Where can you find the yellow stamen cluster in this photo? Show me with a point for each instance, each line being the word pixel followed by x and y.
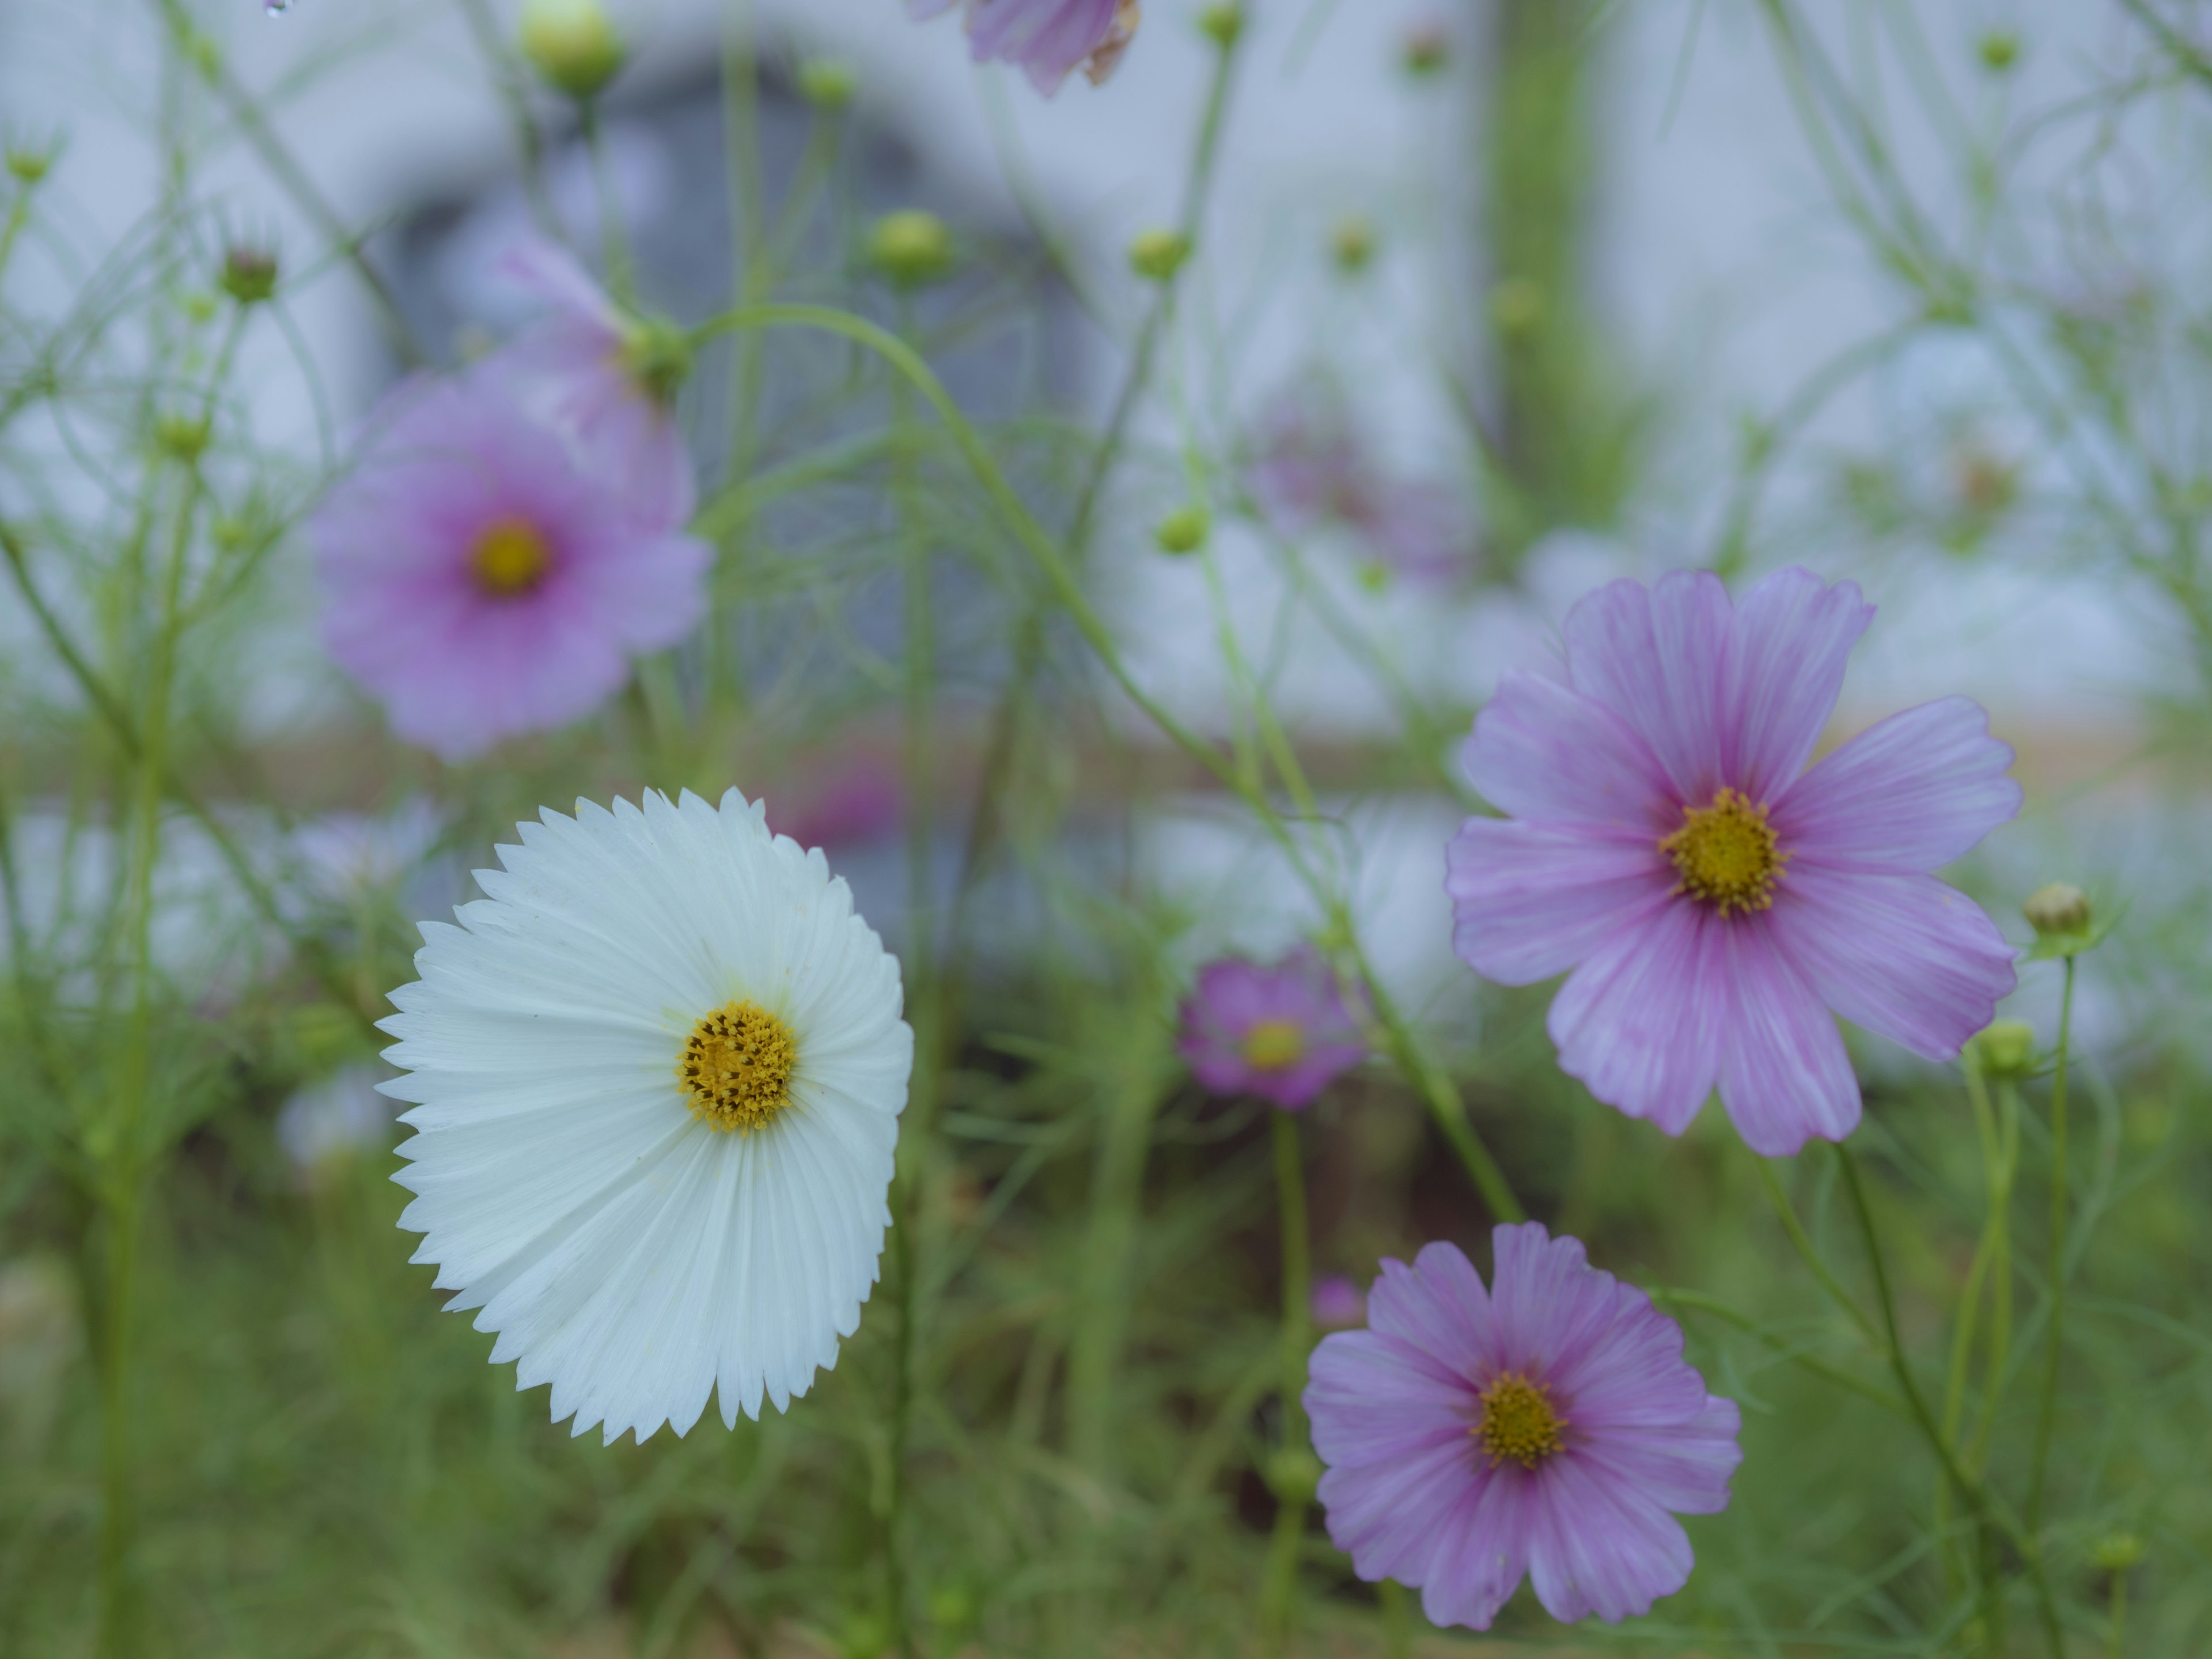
pixel 737 1067
pixel 1274 1045
pixel 510 558
pixel 1726 854
pixel 1518 1422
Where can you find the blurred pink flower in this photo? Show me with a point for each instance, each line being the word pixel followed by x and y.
pixel 1279 1032
pixel 479 582
pixel 862 799
pixel 1048 40
pixel 1714 899
pixel 588 372
pixel 1313 471
pixel 1338 1303
pixel 1546 1427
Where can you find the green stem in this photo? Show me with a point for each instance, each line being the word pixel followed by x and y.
pixel 2047 1411
pixel 1397 1619
pixel 1802 1240
pixel 1279 1588
pixel 1666 1296
pixel 1971 1491
pixel 614 239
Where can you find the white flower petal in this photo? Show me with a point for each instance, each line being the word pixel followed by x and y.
pixel 634 1257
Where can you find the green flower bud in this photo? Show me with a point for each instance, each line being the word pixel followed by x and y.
pixel 182 437
pixel 1517 306
pixel 911 247
pixel 249 274
pixel 865 1636
pixel 1999 50
pixel 573 44
pixel 1428 50
pixel 200 309
pixel 28 165
pixel 2057 907
pixel 658 355
pixel 1222 23
pixel 1374 576
pixel 953 1607
pixel 2006 1048
pixel 1352 245
pixel 1294 1475
pixel 828 84
pixel 1183 530
pixel 2116 1552
pixel 1156 255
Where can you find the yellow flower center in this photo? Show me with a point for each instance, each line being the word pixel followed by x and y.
pixel 1518 1422
pixel 1726 854
pixel 1274 1045
pixel 737 1067
pixel 510 558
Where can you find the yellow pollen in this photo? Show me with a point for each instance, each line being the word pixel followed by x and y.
pixel 737 1067
pixel 1518 1422
pixel 1273 1045
pixel 510 558
pixel 1726 854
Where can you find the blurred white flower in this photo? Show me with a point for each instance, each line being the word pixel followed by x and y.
pixel 659 1074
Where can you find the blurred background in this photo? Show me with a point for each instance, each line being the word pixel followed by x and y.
pixel 1493 301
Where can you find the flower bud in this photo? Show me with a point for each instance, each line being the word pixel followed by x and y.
pixel 2006 1048
pixel 182 437
pixel 1156 255
pixel 658 355
pixel 249 274
pixel 828 84
pixel 2116 1552
pixel 1999 50
pixel 911 247
pixel 573 44
pixel 1183 530
pixel 1294 1475
pixel 1428 50
pixel 2057 907
pixel 1517 306
pixel 1222 23
pixel 28 164
pixel 1352 245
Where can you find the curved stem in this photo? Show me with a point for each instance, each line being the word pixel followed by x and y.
pixel 1802 1243
pixel 2046 1410
pixel 1279 1588
pixel 1972 1492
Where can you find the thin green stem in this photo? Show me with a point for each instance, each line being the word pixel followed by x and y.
pixel 1397 1619
pixel 1278 1590
pixel 1666 1296
pixel 1971 1491
pixel 614 239
pixel 2046 1410
pixel 1786 1212
pixel 508 76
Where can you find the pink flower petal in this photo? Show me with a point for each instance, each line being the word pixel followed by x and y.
pixel 1438 1306
pixel 1600 1548
pixel 1541 750
pixel 1374 1399
pixel 1794 634
pixel 1389 1516
pixel 1785 1077
pixel 1480 1552
pixel 1532 900
pixel 1684 1466
pixel 1903 955
pixel 1640 1022
pixel 1914 793
pixel 1657 657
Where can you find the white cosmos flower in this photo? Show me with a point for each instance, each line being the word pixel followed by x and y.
pixel 634 1237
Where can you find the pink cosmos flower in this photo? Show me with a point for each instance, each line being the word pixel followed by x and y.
pixel 1546 1427
pixel 1047 39
pixel 1715 900
pixel 1279 1032
pixel 1336 1303
pixel 479 583
pixel 603 380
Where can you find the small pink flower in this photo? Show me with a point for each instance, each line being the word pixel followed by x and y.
pixel 1281 1032
pixel 479 582
pixel 586 371
pixel 1047 39
pixel 1546 1427
pixel 1715 900
pixel 1337 1303
pixel 1313 471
